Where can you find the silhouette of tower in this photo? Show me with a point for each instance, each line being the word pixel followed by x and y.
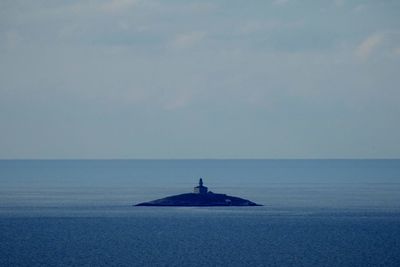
pixel 200 189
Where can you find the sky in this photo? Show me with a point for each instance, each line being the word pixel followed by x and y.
pixel 199 79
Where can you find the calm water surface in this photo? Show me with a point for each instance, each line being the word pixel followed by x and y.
pixel 316 213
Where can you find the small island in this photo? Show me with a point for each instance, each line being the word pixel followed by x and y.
pixel 200 197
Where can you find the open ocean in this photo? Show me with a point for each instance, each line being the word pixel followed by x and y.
pixel 315 213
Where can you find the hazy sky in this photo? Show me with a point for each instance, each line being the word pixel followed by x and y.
pixel 199 79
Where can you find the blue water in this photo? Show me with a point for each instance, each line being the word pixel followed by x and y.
pixel 315 213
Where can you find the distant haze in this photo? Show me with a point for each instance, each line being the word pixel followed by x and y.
pixel 200 79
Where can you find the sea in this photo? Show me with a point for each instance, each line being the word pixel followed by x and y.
pixel 314 213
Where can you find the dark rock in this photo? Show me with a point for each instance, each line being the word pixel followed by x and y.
pixel 201 197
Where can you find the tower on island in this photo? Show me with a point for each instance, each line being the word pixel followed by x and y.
pixel 200 189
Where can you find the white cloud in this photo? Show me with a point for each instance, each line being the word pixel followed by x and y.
pixel 339 3
pixel 256 26
pixel 12 39
pixel 366 48
pixel 396 51
pixel 179 101
pixel 361 8
pixel 280 2
pixel 203 7
pixel 118 5
pixel 188 39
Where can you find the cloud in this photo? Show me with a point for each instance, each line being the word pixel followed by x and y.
pixel 263 26
pixel 203 7
pixel 13 39
pixel 361 8
pixel 366 48
pixel 101 57
pixel 118 5
pixel 339 3
pixel 280 2
pixel 396 51
pixel 257 26
pixel 188 39
pixel 179 101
